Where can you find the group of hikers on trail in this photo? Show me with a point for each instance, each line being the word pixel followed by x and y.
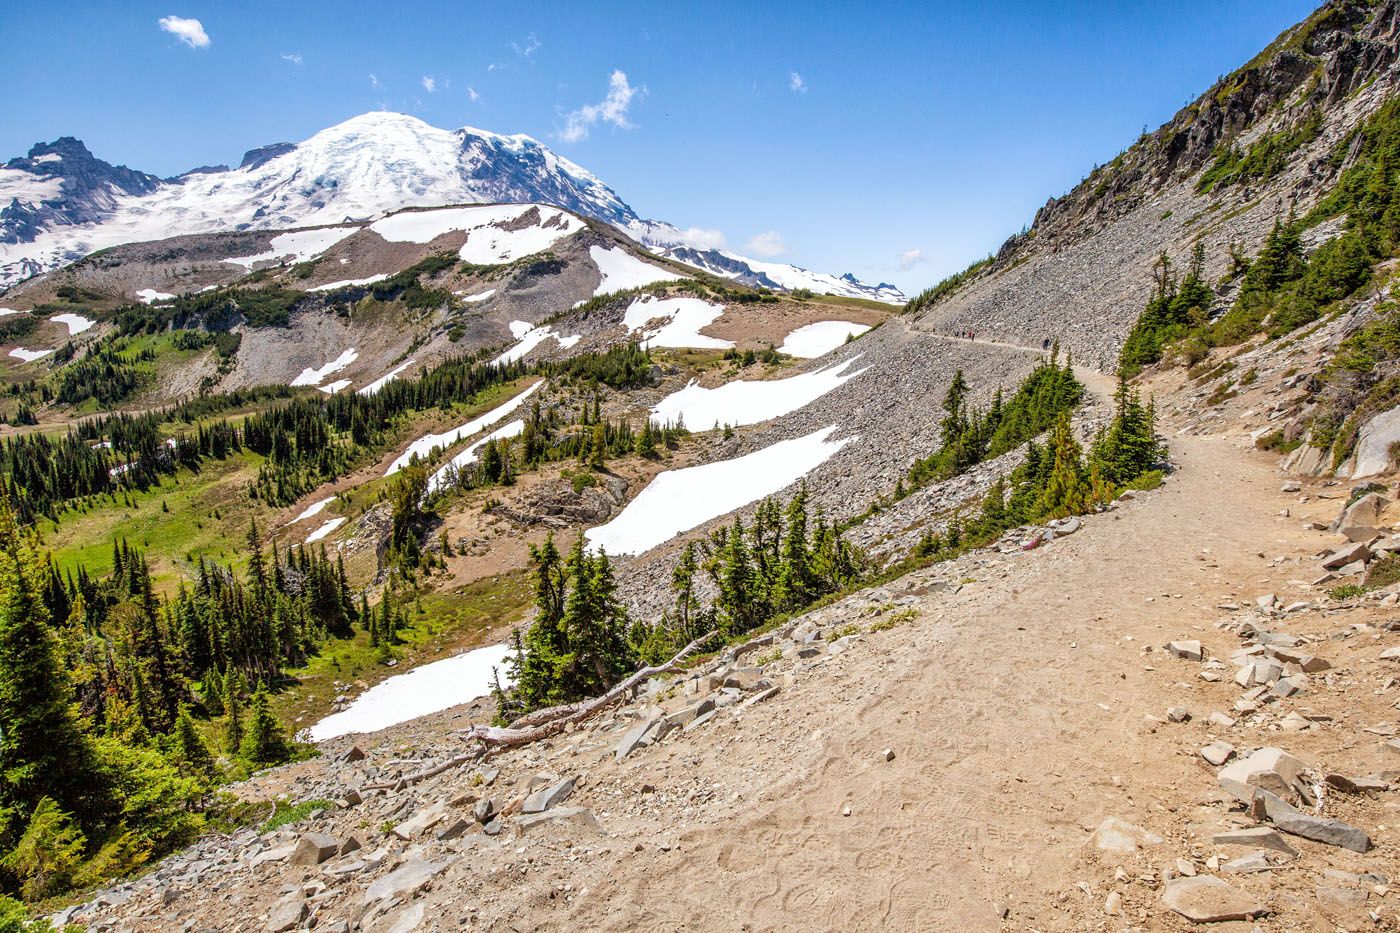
pixel 969 335
pixel 965 335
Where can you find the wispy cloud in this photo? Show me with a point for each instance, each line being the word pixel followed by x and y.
pixel 528 48
pixel 796 84
pixel 429 83
pixel 767 244
pixel 612 109
pixel 292 57
pixel 189 31
pixel 374 82
pixel 471 92
pixel 911 258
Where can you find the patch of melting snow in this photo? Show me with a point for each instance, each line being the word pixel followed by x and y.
pixel 312 510
pixel 678 500
pixel 488 243
pixel 29 356
pixel 423 690
pixel 325 529
pixel 149 296
pixel 479 296
pixel 749 401
pixel 346 283
pixel 440 478
pixel 385 379
pixel 313 377
pixel 334 387
pixel 426 444
pixel 814 340
pixel 528 337
pixel 683 319
pixel 75 323
pixel 621 270
pixel 6 312
pixel 299 245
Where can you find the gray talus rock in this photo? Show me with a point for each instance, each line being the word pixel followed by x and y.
pixel 573 817
pixel 408 878
pixel 287 914
pixel 1319 829
pixel 555 794
pixel 315 848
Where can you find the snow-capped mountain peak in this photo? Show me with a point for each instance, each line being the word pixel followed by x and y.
pixel 60 203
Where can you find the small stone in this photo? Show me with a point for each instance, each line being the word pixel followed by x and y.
pixel 1178 714
pixel 484 809
pixel 1258 837
pixel 1185 868
pixel 1121 837
pixel 1113 904
pixel 1187 650
pixel 315 848
pixel 287 914
pixel 1217 753
pixel 888 754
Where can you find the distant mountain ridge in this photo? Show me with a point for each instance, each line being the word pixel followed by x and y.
pixel 61 203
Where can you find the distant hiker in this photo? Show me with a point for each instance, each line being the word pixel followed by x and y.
pixel 1045 344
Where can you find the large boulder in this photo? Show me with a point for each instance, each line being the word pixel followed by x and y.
pixel 1361 520
pixel 314 848
pixel 1269 769
pixel 1373 446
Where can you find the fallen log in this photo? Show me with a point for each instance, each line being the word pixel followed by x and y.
pixel 543 723
pixel 454 762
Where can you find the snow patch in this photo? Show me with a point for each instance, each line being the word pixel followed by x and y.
pixel 423 690
pixel 479 296
pixel 312 510
pixel 528 337
pixel 426 444
pixel 749 401
pixel 6 312
pixel 334 387
pixel 29 356
pixel 621 270
pixel 312 377
pixel 325 529
pixel 75 323
pixel 439 479
pixel 148 296
pixel 685 317
pixel 488 243
pixel 678 500
pixel 374 387
pixel 298 246
pixel 332 286
pixel 814 340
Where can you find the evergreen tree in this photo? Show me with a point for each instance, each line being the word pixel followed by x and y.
pixel 264 742
pixel 190 747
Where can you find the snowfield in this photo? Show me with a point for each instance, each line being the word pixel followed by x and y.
pixel 423 690
pixel 465 458
pixel 6 312
pixel 385 379
pixel 684 318
pixel 678 500
pixel 621 270
pixel 479 296
pixel 749 401
pixel 29 356
pixel 325 529
pixel 312 510
pixel 530 337
pixel 149 296
pixel 297 246
pixel 488 243
pixel 75 323
pixel 814 340
pixel 332 286
pixel 313 377
pixel 426 444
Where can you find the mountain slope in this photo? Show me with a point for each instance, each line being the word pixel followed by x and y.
pixel 63 204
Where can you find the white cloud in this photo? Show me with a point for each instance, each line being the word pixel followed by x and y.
pixel 768 243
pixel 292 57
pixel 796 84
pixel 531 46
pixel 612 109
pixel 429 84
pixel 701 238
pixel 374 82
pixel 471 92
pixel 189 31
pixel 911 258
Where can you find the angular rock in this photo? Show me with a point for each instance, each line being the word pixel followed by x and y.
pixel 1317 828
pixel 759 697
pixel 1217 753
pixel 1188 650
pixel 573 817
pixel 684 716
pixel 484 809
pixel 1245 864
pixel 315 848
pixel 1258 837
pixel 1270 769
pixel 1343 556
pixel 1361 521
pixel 1121 837
pixel 555 794
pixel 408 878
pixel 287 914
pixel 632 740
pixel 1207 899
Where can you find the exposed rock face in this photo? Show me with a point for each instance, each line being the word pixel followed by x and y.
pixel 88 186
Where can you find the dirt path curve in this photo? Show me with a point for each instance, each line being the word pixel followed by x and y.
pixel 1015 711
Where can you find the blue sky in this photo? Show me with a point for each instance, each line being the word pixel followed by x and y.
pixel 898 141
